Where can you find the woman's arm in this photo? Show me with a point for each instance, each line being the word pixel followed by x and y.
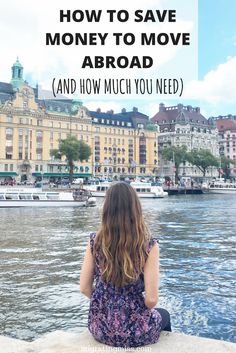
pixel 87 272
pixel 151 277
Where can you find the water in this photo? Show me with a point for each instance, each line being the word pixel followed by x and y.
pixel 41 251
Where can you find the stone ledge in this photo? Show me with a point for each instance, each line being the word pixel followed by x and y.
pixel 68 342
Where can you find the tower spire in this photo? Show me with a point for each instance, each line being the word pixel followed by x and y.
pixel 17 74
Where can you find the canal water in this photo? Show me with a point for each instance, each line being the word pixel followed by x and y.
pixel 41 252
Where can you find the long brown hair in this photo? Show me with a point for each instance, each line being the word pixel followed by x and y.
pixel 122 237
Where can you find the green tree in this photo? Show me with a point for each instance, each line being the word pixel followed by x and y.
pixel 74 150
pixel 176 154
pixel 202 159
pixel 225 165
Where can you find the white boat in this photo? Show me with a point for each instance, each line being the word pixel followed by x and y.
pixel 34 197
pixel 143 189
pixel 221 187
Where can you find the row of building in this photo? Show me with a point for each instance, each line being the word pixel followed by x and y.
pixel 126 144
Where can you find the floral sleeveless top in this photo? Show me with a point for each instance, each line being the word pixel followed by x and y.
pixel 118 316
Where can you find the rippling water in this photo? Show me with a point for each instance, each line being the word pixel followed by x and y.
pixel 41 251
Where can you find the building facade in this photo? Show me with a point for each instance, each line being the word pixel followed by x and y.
pixel 184 125
pixel 123 144
pixel 226 126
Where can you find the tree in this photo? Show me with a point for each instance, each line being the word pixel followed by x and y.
pixel 225 166
pixel 176 154
pixel 202 159
pixel 74 150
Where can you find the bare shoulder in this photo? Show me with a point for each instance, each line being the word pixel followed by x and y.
pixel 153 258
pixel 154 251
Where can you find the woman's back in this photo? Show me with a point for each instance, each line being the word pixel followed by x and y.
pixel 119 316
pixel 122 262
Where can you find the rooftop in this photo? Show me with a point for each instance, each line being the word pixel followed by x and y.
pixel 68 106
pixel 179 114
pixel 132 118
pixel 226 125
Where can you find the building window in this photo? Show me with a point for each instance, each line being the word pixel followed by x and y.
pixel 9 119
pixel 8 156
pixel 39 135
pixel 9 131
pixel 6 167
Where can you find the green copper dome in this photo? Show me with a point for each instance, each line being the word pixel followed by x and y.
pixel 17 75
pixel 17 63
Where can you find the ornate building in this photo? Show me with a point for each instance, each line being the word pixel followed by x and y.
pixel 185 125
pixel 227 138
pixel 123 144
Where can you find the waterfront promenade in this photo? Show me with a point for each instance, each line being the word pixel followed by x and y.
pixel 67 342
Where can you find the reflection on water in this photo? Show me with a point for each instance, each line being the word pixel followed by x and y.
pixel 41 252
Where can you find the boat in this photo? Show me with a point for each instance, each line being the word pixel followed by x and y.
pixel 180 190
pixel 220 187
pixel 143 189
pixel 34 197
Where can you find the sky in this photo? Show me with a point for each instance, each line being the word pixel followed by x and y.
pixel 213 91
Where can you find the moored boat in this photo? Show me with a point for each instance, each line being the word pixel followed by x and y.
pixel 143 189
pixel 221 187
pixel 34 197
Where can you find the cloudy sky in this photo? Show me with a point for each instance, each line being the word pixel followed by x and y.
pixel 21 24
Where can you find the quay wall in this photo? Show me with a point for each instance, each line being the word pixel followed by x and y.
pixel 70 342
